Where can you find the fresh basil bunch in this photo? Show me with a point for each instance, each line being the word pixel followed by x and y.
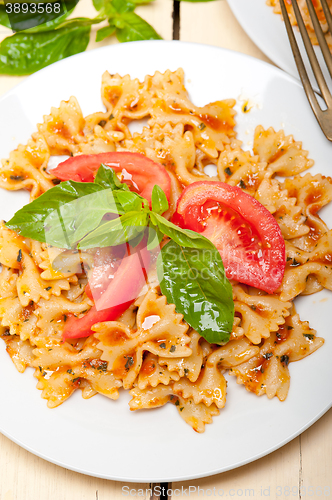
pixel 30 50
pixel 190 269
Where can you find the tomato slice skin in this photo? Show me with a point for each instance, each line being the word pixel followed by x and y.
pixel 141 173
pixel 120 293
pixel 106 262
pixel 247 236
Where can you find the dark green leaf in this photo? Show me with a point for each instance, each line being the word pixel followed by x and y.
pixel 69 7
pixel 122 6
pixel 46 20
pixel 107 178
pixel 115 232
pixel 30 220
pixel 54 23
pixel 159 200
pixel 4 19
pixel 25 53
pixel 105 33
pixel 184 237
pixel 135 28
pixel 98 4
pixel 194 280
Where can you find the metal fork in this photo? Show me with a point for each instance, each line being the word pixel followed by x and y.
pixel 324 117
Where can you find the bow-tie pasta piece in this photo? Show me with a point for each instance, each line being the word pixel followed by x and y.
pixel 307 272
pixel 312 193
pixel 210 387
pixel 268 373
pixel 189 366
pixel 283 155
pixel 240 168
pixel 261 314
pixel 196 415
pixel 290 217
pixel 20 351
pixel 152 373
pixel 160 330
pixel 26 168
pixel 63 368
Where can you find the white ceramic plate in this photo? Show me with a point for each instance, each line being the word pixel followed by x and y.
pixel 268 32
pixel 101 437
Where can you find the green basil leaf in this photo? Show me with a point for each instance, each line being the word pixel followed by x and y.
pixel 135 28
pixel 109 9
pixel 117 231
pixel 58 228
pixel 105 33
pixel 72 221
pixel 49 25
pixel 122 6
pixel 159 200
pixel 131 202
pixel 4 19
pixel 22 20
pixel 30 220
pixel 82 21
pixel 183 237
pixel 25 53
pixel 98 4
pixel 142 2
pixel 195 281
pixel 119 22
pixel 107 178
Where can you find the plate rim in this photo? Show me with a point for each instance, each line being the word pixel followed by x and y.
pixel 254 35
pixel 150 42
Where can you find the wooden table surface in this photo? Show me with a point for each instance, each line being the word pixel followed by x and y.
pixel 300 469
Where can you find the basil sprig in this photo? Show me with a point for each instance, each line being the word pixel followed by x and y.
pixel 190 269
pixel 32 49
pixel 72 215
pixel 30 220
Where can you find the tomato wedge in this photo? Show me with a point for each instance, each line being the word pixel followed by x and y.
pixel 116 296
pixel 139 172
pixel 106 262
pixel 243 230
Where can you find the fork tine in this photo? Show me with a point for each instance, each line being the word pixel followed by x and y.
pixel 299 62
pixel 311 55
pixel 320 36
pixel 328 15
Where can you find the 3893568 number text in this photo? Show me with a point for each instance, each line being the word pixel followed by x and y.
pixel 33 8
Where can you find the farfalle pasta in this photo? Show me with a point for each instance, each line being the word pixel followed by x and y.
pixel 151 350
pixel 306 17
